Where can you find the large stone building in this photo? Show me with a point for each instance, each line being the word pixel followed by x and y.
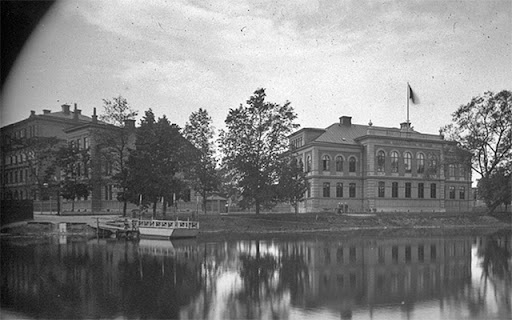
pixel 369 168
pixel 24 164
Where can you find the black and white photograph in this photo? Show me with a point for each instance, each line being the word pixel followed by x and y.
pixel 256 159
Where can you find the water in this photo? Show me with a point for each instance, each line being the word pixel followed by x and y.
pixel 304 277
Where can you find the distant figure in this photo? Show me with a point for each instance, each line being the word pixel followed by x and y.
pixel 340 207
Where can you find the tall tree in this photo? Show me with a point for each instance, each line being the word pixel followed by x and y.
pixel 74 165
pixel 483 127
pixel 292 182
pixel 203 174
pixel 115 142
pixel 157 164
pixel 252 143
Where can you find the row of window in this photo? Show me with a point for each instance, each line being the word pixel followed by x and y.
pixel 16 176
pixel 18 158
pixel 407 162
pixel 381 190
pixel 326 163
pixel 79 143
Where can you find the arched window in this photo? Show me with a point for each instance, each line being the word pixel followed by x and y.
pixel 339 164
pixel 432 163
pixel 308 164
pixel 394 161
pixel 451 173
pixel 326 163
pixel 381 161
pixel 421 162
pixel 352 164
pixel 407 162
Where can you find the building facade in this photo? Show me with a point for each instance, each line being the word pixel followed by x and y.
pixel 368 168
pixel 24 164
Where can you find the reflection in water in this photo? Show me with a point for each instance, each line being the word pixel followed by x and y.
pixel 446 277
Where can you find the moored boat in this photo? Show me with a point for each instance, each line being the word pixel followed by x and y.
pixel 168 229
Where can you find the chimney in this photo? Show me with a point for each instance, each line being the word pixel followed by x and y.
pixel 32 113
pixel 129 123
pixel 65 108
pixel 46 111
pixel 405 126
pixel 345 121
pixel 94 117
pixel 75 113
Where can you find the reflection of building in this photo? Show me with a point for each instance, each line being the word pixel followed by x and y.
pixel 384 272
pixel 379 168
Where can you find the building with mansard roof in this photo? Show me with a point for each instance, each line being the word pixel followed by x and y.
pixel 361 168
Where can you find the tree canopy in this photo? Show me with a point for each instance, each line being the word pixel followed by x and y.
pixel 252 143
pixel 203 174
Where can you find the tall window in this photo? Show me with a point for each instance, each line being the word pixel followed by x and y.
pixel 339 164
pixel 452 192
pixel 407 189
pixel 326 163
pixel 451 170
pixel 381 161
pixel 327 190
pixel 407 162
pixel 432 163
pixel 394 189
pixel 308 164
pixel 381 190
pixel 462 171
pixel 421 162
pixel 352 164
pixel 352 190
pixel 108 192
pixel 462 193
pixel 339 190
pixel 421 190
pixel 308 191
pixel 394 161
pixel 433 191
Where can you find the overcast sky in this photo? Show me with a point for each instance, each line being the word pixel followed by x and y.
pixel 328 58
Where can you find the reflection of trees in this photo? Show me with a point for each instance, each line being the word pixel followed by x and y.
pixel 294 272
pixel 496 269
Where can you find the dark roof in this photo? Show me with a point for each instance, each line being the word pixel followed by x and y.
pixel 62 115
pixel 337 133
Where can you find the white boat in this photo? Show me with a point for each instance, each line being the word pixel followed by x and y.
pixel 168 229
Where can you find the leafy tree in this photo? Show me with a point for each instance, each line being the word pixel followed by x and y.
pixel 292 182
pixel 483 127
pixel 254 139
pixel 115 143
pixel 203 174
pixel 74 166
pixel 157 164
pixel 496 189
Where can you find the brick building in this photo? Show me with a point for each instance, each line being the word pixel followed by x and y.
pixel 370 168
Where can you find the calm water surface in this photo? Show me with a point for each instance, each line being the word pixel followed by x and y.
pixel 424 277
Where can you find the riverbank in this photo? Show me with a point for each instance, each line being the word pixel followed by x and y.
pixel 272 224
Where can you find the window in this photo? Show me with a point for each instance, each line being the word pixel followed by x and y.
pixel 339 255
pixel 433 252
pixel 432 164
pixel 407 162
pixel 407 254
pixel 352 164
pixel 79 144
pixel 433 191
pixel 339 190
pixel 327 190
pixel 86 143
pixel 352 190
pixel 394 161
pixel 462 193
pixel 451 170
pixel 408 189
pixel 381 189
pixel 421 163
pixel 394 254
pixel 462 171
pixel 421 253
pixel 108 192
pixel 308 192
pixel 326 163
pixel 452 192
pixel 394 189
pixel 308 164
pixel 352 254
pixel 339 164
pixel 382 256
pixel 381 161
pixel 421 190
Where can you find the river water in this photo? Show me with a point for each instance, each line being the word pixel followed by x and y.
pixel 294 277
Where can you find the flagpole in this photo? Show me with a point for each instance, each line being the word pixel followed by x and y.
pixel 408 98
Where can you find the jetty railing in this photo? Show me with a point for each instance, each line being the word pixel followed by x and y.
pixel 167 224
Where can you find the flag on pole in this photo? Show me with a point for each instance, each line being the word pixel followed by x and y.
pixel 414 98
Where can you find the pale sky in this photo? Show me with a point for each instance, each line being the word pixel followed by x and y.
pixel 328 58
